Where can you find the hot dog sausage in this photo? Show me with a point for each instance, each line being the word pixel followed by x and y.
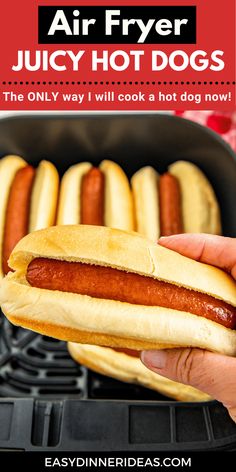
pixel 113 284
pixel 129 352
pixel 170 205
pixel 92 198
pixel 17 214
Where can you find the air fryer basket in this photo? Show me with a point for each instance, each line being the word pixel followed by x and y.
pixel 47 401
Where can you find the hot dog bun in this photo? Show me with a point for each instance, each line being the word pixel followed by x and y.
pixel 9 166
pixel 119 211
pixel 201 213
pixel 69 200
pixel 146 202
pixel 42 197
pixel 130 369
pixel 200 209
pixel 80 318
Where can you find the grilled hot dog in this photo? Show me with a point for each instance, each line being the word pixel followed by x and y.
pixel 98 285
pixel 17 214
pixel 113 284
pixel 92 197
pixel 170 205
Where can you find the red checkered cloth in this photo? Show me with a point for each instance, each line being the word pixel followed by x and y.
pixel 222 122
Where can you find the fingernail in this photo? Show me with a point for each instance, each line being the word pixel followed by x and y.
pixel 164 239
pixel 154 358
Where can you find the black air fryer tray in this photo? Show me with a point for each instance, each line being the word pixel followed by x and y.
pixel 47 401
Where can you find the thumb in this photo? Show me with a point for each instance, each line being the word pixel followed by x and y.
pixel 212 373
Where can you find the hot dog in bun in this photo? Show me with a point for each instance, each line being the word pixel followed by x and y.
pixel 180 201
pixel 96 196
pixel 103 286
pixel 28 200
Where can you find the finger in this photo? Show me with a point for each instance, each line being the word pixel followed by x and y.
pixel 207 248
pixel 212 373
pixel 232 412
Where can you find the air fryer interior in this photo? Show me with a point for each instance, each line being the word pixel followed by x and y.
pixel 48 401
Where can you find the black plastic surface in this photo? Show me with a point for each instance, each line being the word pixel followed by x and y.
pixel 61 405
pixel 85 425
pixel 39 366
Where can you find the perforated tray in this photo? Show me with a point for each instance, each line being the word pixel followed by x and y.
pixel 48 401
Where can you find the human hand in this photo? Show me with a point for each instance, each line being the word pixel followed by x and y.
pixel 212 373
